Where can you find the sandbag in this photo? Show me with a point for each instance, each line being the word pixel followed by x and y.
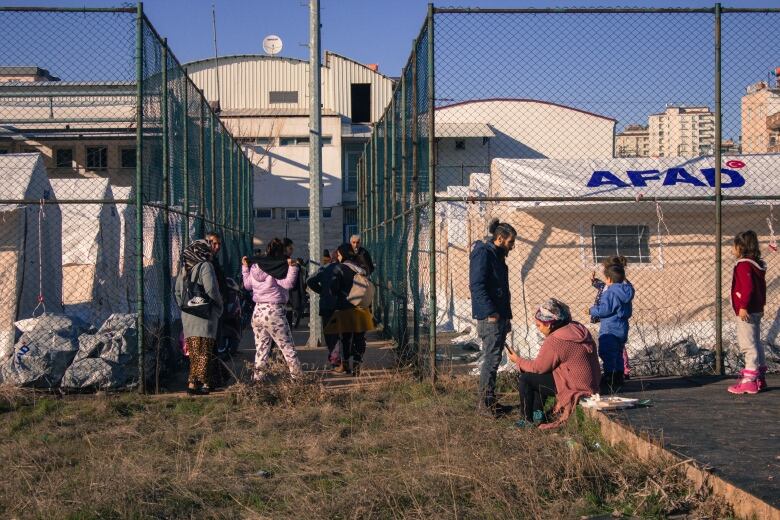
pixel 42 354
pixel 95 373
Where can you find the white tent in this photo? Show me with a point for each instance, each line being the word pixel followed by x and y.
pixel 91 235
pixel 30 247
pixel 646 178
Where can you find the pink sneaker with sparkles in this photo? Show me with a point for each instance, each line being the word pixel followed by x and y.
pixel 748 384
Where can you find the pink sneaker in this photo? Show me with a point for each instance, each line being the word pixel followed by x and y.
pixel 761 378
pixel 748 384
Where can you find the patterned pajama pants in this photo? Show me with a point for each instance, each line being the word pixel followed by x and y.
pixel 269 323
pixel 200 350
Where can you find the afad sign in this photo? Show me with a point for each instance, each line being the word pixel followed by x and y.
pixel 672 177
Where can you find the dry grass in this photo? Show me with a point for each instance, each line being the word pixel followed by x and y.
pixel 400 450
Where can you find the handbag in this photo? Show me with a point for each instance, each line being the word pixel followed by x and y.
pixel 196 302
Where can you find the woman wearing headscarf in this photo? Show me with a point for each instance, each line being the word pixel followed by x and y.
pixel 200 333
pixel 270 279
pixel 567 366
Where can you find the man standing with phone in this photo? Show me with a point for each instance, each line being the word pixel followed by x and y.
pixel 491 305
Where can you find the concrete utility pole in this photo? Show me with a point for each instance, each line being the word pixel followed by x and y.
pixel 315 166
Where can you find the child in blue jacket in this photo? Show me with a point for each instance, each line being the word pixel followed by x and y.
pixel 613 311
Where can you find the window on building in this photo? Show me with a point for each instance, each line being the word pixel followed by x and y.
pixel 350 180
pixel 264 213
pixel 633 242
pixel 361 102
pixel 97 157
pixel 263 141
pixel 460 144
pixel 294 141
pixel 327 212
pixel 63 158
pixel 4 151
pixel 128 157
pixel 296 213
pixel 350 223
pixel 326 141
pixel 283 96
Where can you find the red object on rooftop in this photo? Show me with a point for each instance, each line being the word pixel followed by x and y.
pixel 375 67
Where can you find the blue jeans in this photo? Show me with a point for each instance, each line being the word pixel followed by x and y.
pixel 611 352
pixel 493 336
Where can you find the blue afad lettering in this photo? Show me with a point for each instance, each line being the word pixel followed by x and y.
pixel 672 177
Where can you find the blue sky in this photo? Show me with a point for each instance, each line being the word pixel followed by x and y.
pixel 622 66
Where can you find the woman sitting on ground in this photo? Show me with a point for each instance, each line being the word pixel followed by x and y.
pixel 566 367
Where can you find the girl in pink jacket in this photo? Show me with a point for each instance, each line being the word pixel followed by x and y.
pixel 270 279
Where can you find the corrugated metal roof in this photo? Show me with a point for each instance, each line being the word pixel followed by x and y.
pixel 463 130
pixel 273 112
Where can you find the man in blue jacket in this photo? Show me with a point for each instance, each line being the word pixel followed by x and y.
pixel 491 305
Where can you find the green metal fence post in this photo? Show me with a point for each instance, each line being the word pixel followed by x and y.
pixel 404 321
pixel 385 221
pixel 186 170
pixel 719 368
pixel 415 210
pixel 166 201
pixel 139 182
pixel 431 198
pixel 391 284
pixel 202 166
pixel 213 175
pixel 222 184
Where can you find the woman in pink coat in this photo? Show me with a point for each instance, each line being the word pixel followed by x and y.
pixel 270 279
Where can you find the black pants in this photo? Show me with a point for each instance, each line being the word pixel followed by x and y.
pixel 534 391
pixel 353 345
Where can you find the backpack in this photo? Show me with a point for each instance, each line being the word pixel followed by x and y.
pixel 362 292
pixel 195 301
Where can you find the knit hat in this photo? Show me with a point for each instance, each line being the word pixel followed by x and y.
pixel 552 311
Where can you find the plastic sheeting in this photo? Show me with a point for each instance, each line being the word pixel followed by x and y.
pixel 30 246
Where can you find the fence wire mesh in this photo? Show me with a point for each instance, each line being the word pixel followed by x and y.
pixel 594 132
pixel 97 114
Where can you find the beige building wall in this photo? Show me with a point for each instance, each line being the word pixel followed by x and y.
pixel 246 82
pixel 757 104
pixel 682 132
pixel 117 175
pixel 633 143
pixel 298 231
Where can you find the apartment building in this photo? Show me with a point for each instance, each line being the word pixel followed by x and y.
pixel 633 141
pixel 761 118
pixel 681 131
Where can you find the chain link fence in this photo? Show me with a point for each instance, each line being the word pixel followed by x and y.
pixel 648 133
pixel 112 161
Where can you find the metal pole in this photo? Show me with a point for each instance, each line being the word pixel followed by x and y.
pixel 415 212
pixel 165 259
pixel 391 284
pixel 186 153
pixel 139 182
pixel 222 175
pixel 431 199
pixel 213 186
pixel 385 211
pixel 315 164
pixel 404 320
pixel 719 368
pixel 202 166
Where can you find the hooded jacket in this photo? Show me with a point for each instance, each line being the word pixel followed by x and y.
pixel 333 285
pixel 267 289
pixel 748 286
pixel 489 281
pixel 614 310
pixel 570 354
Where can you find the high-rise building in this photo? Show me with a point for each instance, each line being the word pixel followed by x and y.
pixel 633 141
pixel 761 118
pixel 682 132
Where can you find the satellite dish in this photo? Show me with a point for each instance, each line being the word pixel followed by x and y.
pixel 272 44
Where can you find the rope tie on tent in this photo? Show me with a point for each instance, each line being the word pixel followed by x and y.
pixel 769 220
pixel 41 303
pixel 661 222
